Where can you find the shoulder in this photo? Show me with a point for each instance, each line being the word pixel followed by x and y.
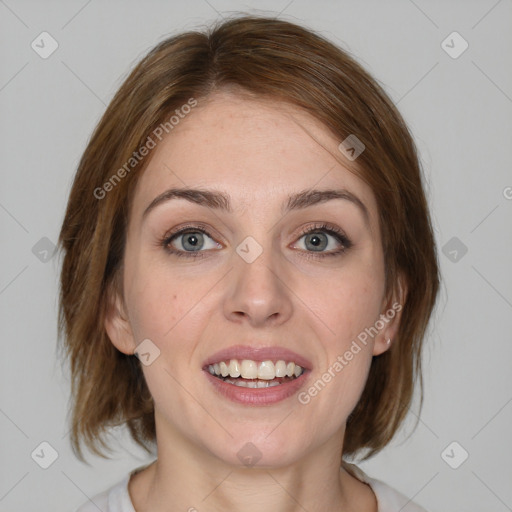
pixel 99 501
pixel 113 499
pixel 388 499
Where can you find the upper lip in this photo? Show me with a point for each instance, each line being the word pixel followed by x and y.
pixel 241 352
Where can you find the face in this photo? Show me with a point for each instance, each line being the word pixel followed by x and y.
pixel 254 285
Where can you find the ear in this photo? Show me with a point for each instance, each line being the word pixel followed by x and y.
pixel 117 324
pixel 390 316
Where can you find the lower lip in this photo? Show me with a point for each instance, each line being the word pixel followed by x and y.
pixel 257 396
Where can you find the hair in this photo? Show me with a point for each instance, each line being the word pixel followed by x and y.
pixel 269 59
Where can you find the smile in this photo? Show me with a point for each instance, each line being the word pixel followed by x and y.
pixel 252 374
pixel 256 376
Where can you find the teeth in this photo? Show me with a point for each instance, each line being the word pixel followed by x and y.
pixel 252 384
pixel 223 369
pixel 234 368
pixel 248 369
pixel 266 370
pixel 280 369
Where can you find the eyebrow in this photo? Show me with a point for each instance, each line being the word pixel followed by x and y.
pixel 221 201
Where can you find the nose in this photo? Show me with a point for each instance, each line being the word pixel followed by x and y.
pixel 258 293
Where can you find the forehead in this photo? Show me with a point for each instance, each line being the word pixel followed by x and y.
pixel 258 150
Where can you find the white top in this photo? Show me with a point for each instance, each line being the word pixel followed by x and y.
pixel 117 497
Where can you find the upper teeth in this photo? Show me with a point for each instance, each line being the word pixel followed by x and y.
pixel 248 369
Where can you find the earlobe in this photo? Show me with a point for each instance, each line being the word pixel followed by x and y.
pixel 117 325
pixel 390 316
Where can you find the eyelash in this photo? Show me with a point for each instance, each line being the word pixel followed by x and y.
pixel 327 228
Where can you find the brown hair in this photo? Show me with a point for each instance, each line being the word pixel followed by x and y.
pixel 271 59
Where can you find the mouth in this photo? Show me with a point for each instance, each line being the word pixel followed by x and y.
pixel 253 374
pixel 256 376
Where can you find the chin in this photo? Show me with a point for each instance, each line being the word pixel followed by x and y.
pixel 251 448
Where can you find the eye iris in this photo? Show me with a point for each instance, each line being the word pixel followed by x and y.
pixel 193 240
pixel 316 240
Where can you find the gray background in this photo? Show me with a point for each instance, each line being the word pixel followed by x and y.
pixel 459 110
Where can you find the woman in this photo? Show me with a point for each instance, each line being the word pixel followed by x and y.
pixel 249 270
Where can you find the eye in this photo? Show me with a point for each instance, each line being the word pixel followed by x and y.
pixel 195 241
pixel 325 240
pixel 189 241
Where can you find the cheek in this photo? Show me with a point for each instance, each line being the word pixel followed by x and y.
pixel 156 313
pixel 162 311
pixel 360 311
pixel 352 304
pixel 166 307
pixel 155 301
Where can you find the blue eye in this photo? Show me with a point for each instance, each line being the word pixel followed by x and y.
pixel 192 242
pixel 316 239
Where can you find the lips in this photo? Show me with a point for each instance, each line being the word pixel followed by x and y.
pixel 256 376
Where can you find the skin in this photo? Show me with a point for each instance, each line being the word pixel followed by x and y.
pixel 259 152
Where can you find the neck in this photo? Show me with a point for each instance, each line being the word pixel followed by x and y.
pixel 191 480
